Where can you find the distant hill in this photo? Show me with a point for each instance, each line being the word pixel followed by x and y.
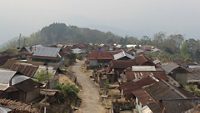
pixel 61 33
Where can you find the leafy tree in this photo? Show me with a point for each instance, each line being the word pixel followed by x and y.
pixel 185 51
pixel 145 40
pixel 158 39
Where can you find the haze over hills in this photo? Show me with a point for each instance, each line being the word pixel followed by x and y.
pixel 61 33
pixel 173 44
pixel 122 17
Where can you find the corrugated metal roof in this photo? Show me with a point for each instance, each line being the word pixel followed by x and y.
pixel 142 59
pixel 6 75
pixel 131 75
pixel 161 91
pixel 143 68
pixel 24 68
pixel 18 79
pixel 27 85
pixel 3 86
pixel 128 87
pixel 169 67
pixel 101 55
pixel 121 55
pixel 122 63
pixel 143 96
pixel 47 52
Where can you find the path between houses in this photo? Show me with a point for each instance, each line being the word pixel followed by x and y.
pixel 89 93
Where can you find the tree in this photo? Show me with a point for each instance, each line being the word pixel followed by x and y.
pixel 185 51
pixel 193 47
pixel 178 39
pixel 158 39
pixel 173 43
pixel 145 40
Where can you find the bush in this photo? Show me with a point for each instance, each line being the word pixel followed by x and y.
pixel 70 92
pixel 42 76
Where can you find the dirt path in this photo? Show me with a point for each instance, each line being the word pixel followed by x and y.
pixel 89 93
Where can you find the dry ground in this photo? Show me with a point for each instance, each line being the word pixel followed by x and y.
pixel 89 94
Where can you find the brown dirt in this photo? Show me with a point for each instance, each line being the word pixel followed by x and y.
pixel 89 94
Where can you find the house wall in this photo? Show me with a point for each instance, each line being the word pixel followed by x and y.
pixel 181 78
pixel 22 96
pixel 46 59
pixel 96 63
pixel 30 96
pixel 11 95
pixel 93 63
pixel 104 62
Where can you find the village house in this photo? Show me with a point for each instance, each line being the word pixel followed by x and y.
pixel 126 94
pixel 115 72
pixel 18 87
pixel 25 53
pixel 175 71
pixel 190 77
pixel 6 76
pixel 139 72
pixel 172 69
pixel 117 67
pixel 123 56
pixel 47 54
pixel 151 95
pixel 24 90
pixel 100 58
pixel 170 99
pixel 26 69
pixel 143 60
pixel 110 74
pixel 127 87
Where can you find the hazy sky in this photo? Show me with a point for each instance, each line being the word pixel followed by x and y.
pixel 123 17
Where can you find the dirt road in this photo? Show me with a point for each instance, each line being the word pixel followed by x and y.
pixel 89 93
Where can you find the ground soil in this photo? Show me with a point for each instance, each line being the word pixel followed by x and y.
pixel 89 92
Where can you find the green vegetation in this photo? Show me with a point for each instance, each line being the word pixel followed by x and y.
pixel 70 92
pixel 192 88
pixel 61 33
pixel 42 76
pixel 184 51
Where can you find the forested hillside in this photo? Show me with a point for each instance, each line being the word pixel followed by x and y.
pixel 61 33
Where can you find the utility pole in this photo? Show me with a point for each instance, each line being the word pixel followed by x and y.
pixel 24 42
pixel 19 41
pixel 45 108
